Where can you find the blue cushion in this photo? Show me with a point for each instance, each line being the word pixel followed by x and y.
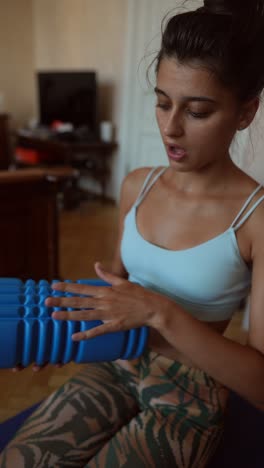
pixel 242 443
pixel 9 427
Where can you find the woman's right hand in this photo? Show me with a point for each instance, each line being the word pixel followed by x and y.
pixel 35 367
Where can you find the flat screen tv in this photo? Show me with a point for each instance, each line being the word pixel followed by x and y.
pixel 68 96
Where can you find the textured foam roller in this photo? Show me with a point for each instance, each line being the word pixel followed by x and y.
pixel 28 333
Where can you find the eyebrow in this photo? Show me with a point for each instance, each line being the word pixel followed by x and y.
pixel 187 98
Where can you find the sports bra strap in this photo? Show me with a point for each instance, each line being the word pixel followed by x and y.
pixel 249 213
pixel 145 187
pixel 246 216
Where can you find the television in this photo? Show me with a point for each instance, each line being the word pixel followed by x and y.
pixel 70 97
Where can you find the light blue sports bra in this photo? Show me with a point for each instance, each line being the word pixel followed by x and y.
pixel 208 280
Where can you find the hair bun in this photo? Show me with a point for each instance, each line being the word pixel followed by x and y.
pixel 247 10
pixel 218 7
pixel 247 15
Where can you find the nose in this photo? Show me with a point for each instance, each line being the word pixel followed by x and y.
pixel 173 126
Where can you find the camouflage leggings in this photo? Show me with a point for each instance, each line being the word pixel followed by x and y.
pixel 152 412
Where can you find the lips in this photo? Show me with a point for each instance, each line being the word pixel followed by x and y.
pixel 176 152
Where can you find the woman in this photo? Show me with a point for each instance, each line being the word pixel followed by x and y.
pixel 190 249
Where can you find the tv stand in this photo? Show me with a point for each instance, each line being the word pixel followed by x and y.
pixel 89 157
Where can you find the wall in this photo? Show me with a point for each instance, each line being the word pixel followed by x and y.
pixel 248 147
pixel 84 34
pixel 16 59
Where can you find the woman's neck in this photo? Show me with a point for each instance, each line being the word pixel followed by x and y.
pixel 212 178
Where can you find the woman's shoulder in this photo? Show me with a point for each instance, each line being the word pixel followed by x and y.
pixel 253 212
pixel 132 184
pixel 256 206
pixel 138 175
pixel 134 181
pixel 245 186
pixel 251 187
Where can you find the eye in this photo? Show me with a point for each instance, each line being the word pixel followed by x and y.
pixel 163 105
pixel 198 115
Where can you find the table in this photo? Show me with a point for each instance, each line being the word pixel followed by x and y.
pixel 5 143
pixel 29 222
pixel 89 157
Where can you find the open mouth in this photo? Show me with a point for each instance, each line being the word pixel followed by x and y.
pixel 176 152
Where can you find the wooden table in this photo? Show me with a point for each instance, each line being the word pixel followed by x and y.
pixel 5 142
pixel 90 157
pixel 29 222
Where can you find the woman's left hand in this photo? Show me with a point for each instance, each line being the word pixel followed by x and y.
pixel 122 306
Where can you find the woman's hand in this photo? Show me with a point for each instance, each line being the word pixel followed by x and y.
pixel 35 367
pixel 122 306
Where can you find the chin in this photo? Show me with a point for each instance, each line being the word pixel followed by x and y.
pixel 180 166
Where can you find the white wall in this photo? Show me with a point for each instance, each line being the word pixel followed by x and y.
pixel 249 148
pixel 16 59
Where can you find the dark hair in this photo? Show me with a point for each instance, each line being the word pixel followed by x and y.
pixel 226 36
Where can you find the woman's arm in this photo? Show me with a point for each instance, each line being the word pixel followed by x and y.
pixel 241 368
pixel 130 189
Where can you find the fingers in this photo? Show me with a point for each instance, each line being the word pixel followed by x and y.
pixel 35 367
pixel 93 314
pixel 72 302
pixel 18 368
pixel 108 327
pixel 84 296
pixel 80 289
pixel 107 276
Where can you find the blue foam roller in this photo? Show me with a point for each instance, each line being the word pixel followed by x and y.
pixel 29 334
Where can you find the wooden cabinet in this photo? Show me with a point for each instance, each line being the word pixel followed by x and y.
pixel 29 223
pixel 5 143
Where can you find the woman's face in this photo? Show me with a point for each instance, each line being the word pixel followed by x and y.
pixel 196 115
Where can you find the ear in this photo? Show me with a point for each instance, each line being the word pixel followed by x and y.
pixel 248 112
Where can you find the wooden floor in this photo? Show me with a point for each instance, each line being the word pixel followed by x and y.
pixel 87 234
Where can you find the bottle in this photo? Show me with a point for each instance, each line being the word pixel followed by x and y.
pixel 28 333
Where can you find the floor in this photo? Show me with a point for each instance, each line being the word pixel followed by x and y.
pixel 87 234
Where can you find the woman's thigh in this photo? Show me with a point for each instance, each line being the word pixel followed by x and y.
pixel 152 440
pixel 180 422
pixel 74 422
